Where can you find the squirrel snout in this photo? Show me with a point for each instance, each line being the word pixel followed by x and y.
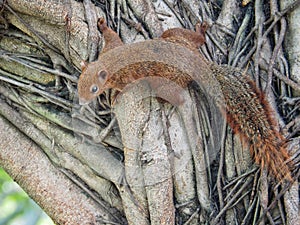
pixel 83 101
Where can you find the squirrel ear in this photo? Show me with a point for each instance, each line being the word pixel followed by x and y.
pixel 83 65
pixel 102 76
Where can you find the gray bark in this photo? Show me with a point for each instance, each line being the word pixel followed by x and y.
pixel 141 161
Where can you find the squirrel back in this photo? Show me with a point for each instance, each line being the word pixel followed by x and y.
pixel 175 57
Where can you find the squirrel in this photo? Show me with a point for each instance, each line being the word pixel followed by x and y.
pixel 175 57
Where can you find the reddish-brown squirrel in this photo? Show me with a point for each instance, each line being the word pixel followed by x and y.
pixel 175 57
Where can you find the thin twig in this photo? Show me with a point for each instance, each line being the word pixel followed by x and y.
pixel 286 80
pixel 278 46
pixel 9 56
pixel 58 100
pixel 231 201
pixel 174 11
pixel 220 170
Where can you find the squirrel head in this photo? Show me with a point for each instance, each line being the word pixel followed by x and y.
pixel 91 81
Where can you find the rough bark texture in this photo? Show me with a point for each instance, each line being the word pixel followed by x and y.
pixel 157 164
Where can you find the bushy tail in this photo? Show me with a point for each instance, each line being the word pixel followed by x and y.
pixel 250 116
pixel 273 157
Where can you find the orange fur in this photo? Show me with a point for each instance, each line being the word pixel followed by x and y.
pixel 247 111
pixel 268 146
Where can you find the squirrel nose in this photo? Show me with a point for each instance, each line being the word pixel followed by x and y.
pixel 83 101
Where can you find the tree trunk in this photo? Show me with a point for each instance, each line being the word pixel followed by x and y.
pixel 142 160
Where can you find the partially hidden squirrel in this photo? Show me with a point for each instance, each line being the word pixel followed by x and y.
pixel 175 57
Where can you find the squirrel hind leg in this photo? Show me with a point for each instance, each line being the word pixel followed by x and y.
pixel 111 38
pixel 201 28
pixel 101 24
pixel 181 35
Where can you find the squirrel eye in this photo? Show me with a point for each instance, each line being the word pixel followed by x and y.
pixel 94 88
